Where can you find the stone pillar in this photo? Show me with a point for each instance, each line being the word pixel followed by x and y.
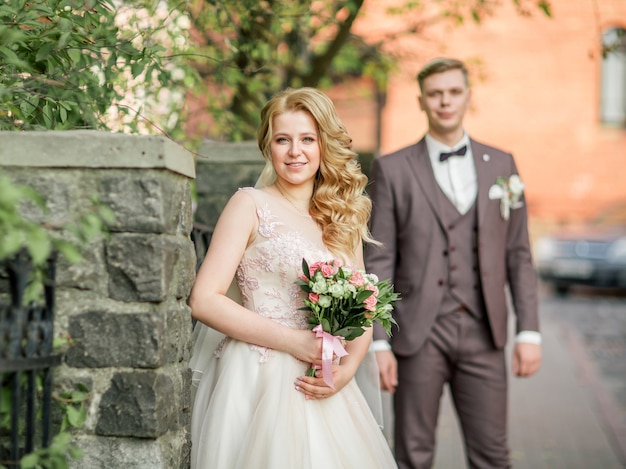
pixel 124 306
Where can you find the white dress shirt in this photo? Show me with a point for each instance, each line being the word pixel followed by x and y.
pixel 456 176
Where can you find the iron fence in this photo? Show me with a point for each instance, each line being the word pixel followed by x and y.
pixel 201 237
pixel 26 362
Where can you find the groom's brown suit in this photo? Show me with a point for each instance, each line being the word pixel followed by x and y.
pixel 452 284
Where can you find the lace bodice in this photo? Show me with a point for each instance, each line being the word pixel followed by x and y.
pixel 273 261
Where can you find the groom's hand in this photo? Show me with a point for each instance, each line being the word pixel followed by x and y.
pixel 388 367
pixel 526 359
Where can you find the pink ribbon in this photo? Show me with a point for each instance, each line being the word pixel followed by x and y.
pixel 331 344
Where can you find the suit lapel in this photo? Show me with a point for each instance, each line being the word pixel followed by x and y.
pixel 486 174
pixel 423 170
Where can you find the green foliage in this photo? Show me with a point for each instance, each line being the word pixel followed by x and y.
pixel 64 63
pixel 73 405
pixel 15 232
pixel 54 456
pixel 41 241
pixel 250 49
pixel 19 233
pixel 57 455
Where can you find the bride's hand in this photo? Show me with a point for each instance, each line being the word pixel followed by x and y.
pixel 315 388
pixel 305 346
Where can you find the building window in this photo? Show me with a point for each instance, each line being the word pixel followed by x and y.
pixel 613 92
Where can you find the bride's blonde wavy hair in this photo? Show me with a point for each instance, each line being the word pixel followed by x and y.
pixel 339 203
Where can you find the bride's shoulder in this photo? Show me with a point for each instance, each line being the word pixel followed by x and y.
pixel 248 193
pixel 261 200
pixel 259 195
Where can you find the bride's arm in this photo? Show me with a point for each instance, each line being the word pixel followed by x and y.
pixel 209 304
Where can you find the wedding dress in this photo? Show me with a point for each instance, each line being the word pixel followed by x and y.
pixel 246 412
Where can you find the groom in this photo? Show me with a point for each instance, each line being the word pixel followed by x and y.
pixel 453 237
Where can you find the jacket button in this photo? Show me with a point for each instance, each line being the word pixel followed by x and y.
pixel 440 281
pixel 445 253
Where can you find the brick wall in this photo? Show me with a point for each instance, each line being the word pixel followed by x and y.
pixel 535 93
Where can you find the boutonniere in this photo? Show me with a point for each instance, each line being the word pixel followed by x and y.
pixel 509 191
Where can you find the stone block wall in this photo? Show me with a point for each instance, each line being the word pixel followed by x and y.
pixel 221 169
pixel 125 306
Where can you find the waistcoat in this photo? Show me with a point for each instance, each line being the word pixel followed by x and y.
pixel 463 278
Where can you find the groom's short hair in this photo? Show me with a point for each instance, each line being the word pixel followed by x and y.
pixel 440 65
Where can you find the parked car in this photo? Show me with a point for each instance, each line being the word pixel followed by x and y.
pixel 593 254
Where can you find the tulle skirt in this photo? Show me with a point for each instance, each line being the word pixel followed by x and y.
pixel 248 415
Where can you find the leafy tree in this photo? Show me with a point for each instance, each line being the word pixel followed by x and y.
pixel 249 49
pixel 65 64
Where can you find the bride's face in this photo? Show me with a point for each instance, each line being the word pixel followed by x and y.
pixel 295 148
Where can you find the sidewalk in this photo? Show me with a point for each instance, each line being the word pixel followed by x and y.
pixel 560 418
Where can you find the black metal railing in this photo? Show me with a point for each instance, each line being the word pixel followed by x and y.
pixel 201 237
pixel 26 362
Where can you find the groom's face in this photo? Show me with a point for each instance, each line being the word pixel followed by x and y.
pixel 445 98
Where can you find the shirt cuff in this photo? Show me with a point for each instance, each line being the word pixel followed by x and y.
pixel 528 337
pixel 379 346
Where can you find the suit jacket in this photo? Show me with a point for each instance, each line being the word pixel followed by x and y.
pixel 406 220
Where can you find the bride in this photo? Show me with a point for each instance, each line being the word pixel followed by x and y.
pixel 254 407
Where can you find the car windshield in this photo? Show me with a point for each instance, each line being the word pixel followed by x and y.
pixel 615 215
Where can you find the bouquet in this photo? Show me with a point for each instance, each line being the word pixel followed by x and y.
pixel 343 302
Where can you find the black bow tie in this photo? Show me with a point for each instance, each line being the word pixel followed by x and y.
pixel 460 152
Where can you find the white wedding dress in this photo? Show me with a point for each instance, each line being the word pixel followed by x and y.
pixel 246 412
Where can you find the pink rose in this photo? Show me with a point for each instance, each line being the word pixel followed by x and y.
pixel 328 270
pixel 374 288
pixel 357 279
pixel 370 303
pixel 314 268
pixel 314 297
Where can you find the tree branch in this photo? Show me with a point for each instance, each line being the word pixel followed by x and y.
pixel 321 62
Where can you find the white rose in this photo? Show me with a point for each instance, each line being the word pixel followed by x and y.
pixel 324 301
pixel 516 186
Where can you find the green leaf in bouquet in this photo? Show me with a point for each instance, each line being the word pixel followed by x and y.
pixel 350 332
pixel 326 325
pixel 305 269
pixel 363 295
pixel 386 323
pixel 304 286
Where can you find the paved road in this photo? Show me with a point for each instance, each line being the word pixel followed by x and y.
pixel 572 414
